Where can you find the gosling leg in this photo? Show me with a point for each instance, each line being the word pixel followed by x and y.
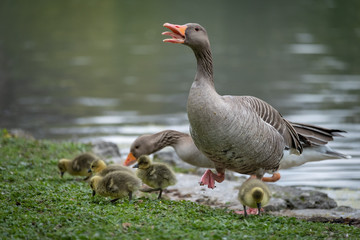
pixel 130 196
pixel 160 192
pixel 114 200
pixel 259 207
pixel 245 213
pixel 86 178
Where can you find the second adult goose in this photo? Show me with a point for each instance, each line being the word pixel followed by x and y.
pixel 240 133
pixel 314 149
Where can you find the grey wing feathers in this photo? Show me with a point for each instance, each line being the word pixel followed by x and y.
pixel 271 116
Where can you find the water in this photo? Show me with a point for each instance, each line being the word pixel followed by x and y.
pixel 89 70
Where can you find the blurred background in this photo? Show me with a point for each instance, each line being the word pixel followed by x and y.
pixel 90 70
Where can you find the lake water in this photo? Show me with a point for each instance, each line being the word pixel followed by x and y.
pixel 90 70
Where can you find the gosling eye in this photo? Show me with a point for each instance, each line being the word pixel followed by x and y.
pixel 137 147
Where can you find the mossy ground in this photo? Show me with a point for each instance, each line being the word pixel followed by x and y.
pixel 37 204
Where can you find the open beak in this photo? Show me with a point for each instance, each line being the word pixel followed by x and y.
pixel 177 33
pixel 130 159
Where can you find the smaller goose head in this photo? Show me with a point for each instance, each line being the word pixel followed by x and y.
pixel 143 162
pixel 257 194
pixel 142 145
pixel 97 165
pixel 191 34
pixel 94 181
pixel 62 166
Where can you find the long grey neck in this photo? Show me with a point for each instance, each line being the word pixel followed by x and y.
pixel 166 138
pixel 204 65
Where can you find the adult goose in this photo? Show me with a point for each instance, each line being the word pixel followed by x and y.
pixel 240 133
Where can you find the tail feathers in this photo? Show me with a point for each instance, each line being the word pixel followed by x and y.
pixel 334 154
pixel 311 135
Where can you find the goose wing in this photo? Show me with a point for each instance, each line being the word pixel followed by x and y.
pixel 272 117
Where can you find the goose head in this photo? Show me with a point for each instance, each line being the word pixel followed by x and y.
pixel 143 162
pixel 97 165
pixel 191 34
pixel 62 166
pixel 141 146
pixel 257 194
pixel 94 181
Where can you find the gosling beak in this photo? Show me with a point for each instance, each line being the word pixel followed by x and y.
pixel 177 33
pixel 130 159
pixel 62 174
pixel 136 165
pixel 89 171
pixel 93 193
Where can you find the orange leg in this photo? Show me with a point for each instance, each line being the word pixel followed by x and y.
pixel 275 177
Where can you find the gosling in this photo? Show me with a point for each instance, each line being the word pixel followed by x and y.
pixel 99 168
pixel 78 166
pixel 156 175
pixel 254 193
pixel 116 184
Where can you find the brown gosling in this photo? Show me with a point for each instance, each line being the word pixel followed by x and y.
pixel 116 184
pixel 99 168
pixel 156 175
pixel 78 166
pixel 254 193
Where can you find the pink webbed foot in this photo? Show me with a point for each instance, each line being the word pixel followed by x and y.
pixel 209 178
pixel 250 211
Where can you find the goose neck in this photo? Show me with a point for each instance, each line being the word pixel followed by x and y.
pixel 204 65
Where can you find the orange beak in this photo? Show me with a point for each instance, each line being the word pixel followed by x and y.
pixel 177 33
pixel 130 159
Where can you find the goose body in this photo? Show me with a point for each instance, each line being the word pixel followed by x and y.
pixel 78 166
pixel 100 168
pixel 116 184
pixel 254 193
pixel 240 133
pixel 156 175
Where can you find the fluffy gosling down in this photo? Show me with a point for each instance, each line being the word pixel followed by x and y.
pixel 254 193
pixel 78 166
pixel 155 175
pixel 99 168
pixel 116 184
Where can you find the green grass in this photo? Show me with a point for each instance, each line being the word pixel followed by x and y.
pixel 37 204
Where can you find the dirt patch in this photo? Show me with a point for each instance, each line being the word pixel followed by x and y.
pixel 347 221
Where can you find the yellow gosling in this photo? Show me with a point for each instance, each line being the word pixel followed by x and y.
pixel 254 193
pixel 78 166
pixel 100 168
pixel 116 185
pixel 156 175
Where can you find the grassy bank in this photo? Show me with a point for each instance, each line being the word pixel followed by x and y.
pixel 37 204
